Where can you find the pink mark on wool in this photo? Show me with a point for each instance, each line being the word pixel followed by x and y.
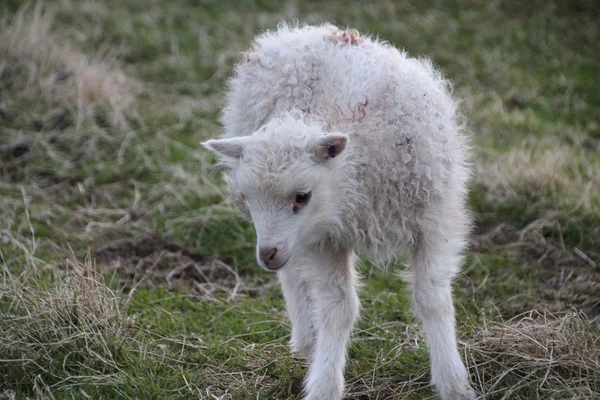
pixel 358 112
pixel 350 36
pixel 336 114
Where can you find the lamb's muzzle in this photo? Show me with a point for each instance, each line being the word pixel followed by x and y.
pixel 271 258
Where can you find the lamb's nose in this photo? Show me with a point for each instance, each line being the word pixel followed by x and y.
pixel 268 255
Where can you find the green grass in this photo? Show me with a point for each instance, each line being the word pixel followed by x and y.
pixel 103 105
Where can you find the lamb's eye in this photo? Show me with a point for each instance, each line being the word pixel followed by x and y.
pixel 300 201
pixel 302 197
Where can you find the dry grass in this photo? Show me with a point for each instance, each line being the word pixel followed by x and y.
pixel 62 109
pixel 86 86
pixel 544 168
pixel 7 395
pixel 69 333
pixel 74 334
pixel 530 356
pixel 550 355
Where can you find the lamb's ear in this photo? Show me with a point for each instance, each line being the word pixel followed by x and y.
pixel 330 146
pixel 231 148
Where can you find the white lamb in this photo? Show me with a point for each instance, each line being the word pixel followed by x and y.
pixel 339 145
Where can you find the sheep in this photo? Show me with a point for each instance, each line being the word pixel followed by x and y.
pixel 338 146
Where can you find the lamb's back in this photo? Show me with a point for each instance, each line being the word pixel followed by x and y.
pixel 314 70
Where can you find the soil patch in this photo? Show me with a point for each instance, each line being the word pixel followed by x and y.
pixel 151 260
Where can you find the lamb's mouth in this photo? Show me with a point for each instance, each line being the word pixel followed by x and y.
pixel 278 267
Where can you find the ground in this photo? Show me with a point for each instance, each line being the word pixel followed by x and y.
pixel 126 273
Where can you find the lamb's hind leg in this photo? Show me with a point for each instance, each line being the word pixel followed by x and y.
pixel 435 261
pixel 336 305
pixel 300 307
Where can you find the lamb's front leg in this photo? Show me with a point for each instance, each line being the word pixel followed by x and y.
pixel 300 307
pixel 336 310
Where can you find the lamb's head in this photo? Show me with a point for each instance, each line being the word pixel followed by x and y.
pixel 286 178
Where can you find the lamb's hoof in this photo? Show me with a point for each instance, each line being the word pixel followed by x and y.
pixel 327 388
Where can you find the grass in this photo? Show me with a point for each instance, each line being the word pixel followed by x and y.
pixel 127 274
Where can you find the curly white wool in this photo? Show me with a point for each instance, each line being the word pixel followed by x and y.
pixel 375 136
pixel 405 143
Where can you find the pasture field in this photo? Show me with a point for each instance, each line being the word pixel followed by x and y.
pixel 126 273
